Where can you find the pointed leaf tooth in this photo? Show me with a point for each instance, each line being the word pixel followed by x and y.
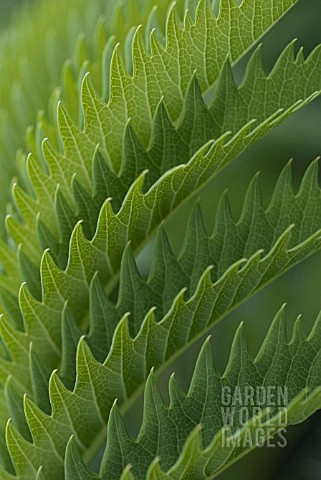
pixel 315 331
pixel 165 270
pixel 196 248
pixel 152 435
pixel 77 146
pixel 253 200
pixel 283 189
pixel 74 465
pixel 136 223
pixel 156 335
pixel 223 234
pixel 18 345
pixel 195 121
pixel 277 256
pixel 40 474
pixel 176 394
pixel 153 25
pixel 298 334
pixel 39 326
pixel 203 310
pixel 178 334
pixel 205 386
pixel 309 197
pixel 78 266
pixel 203 369
pixel 226 83
pixel 22 452
pixel 58 284
pixel 92 386
pixel 51 279
pixel 155 471
pixel 239 356
pixel 254 69
pixel 134 293
pixel 95 111
pixel 49 435
pixel 60 400
pixel 127 473
pixel 310 179
pixel 135 51
pixel 56 164
pixel 277 334
pixel 117 73
pixel 119 445
pixel 156 46
pixel 286 57
pixel 115 359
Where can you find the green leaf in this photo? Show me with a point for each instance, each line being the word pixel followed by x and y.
pixel 190 145
pixel 89 199
pixel 202 432
pixel 35 69
pixel 196 296
pixel 99 117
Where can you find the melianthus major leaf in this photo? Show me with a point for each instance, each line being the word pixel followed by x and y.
pixel 76 202
pixel 221 280
pixel 227 40
pixel 162 430
pixel 191 438
pixel 70 39
pixel 189 144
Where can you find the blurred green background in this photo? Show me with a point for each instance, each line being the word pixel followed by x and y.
pixel 7 7
pixel 298 138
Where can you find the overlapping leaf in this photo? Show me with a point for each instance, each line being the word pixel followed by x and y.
pixel 230 267
pixel 185 441
pixel 106 124
pixel 76 35
pixel 190 144
pixel 155 119
pixel 188 440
